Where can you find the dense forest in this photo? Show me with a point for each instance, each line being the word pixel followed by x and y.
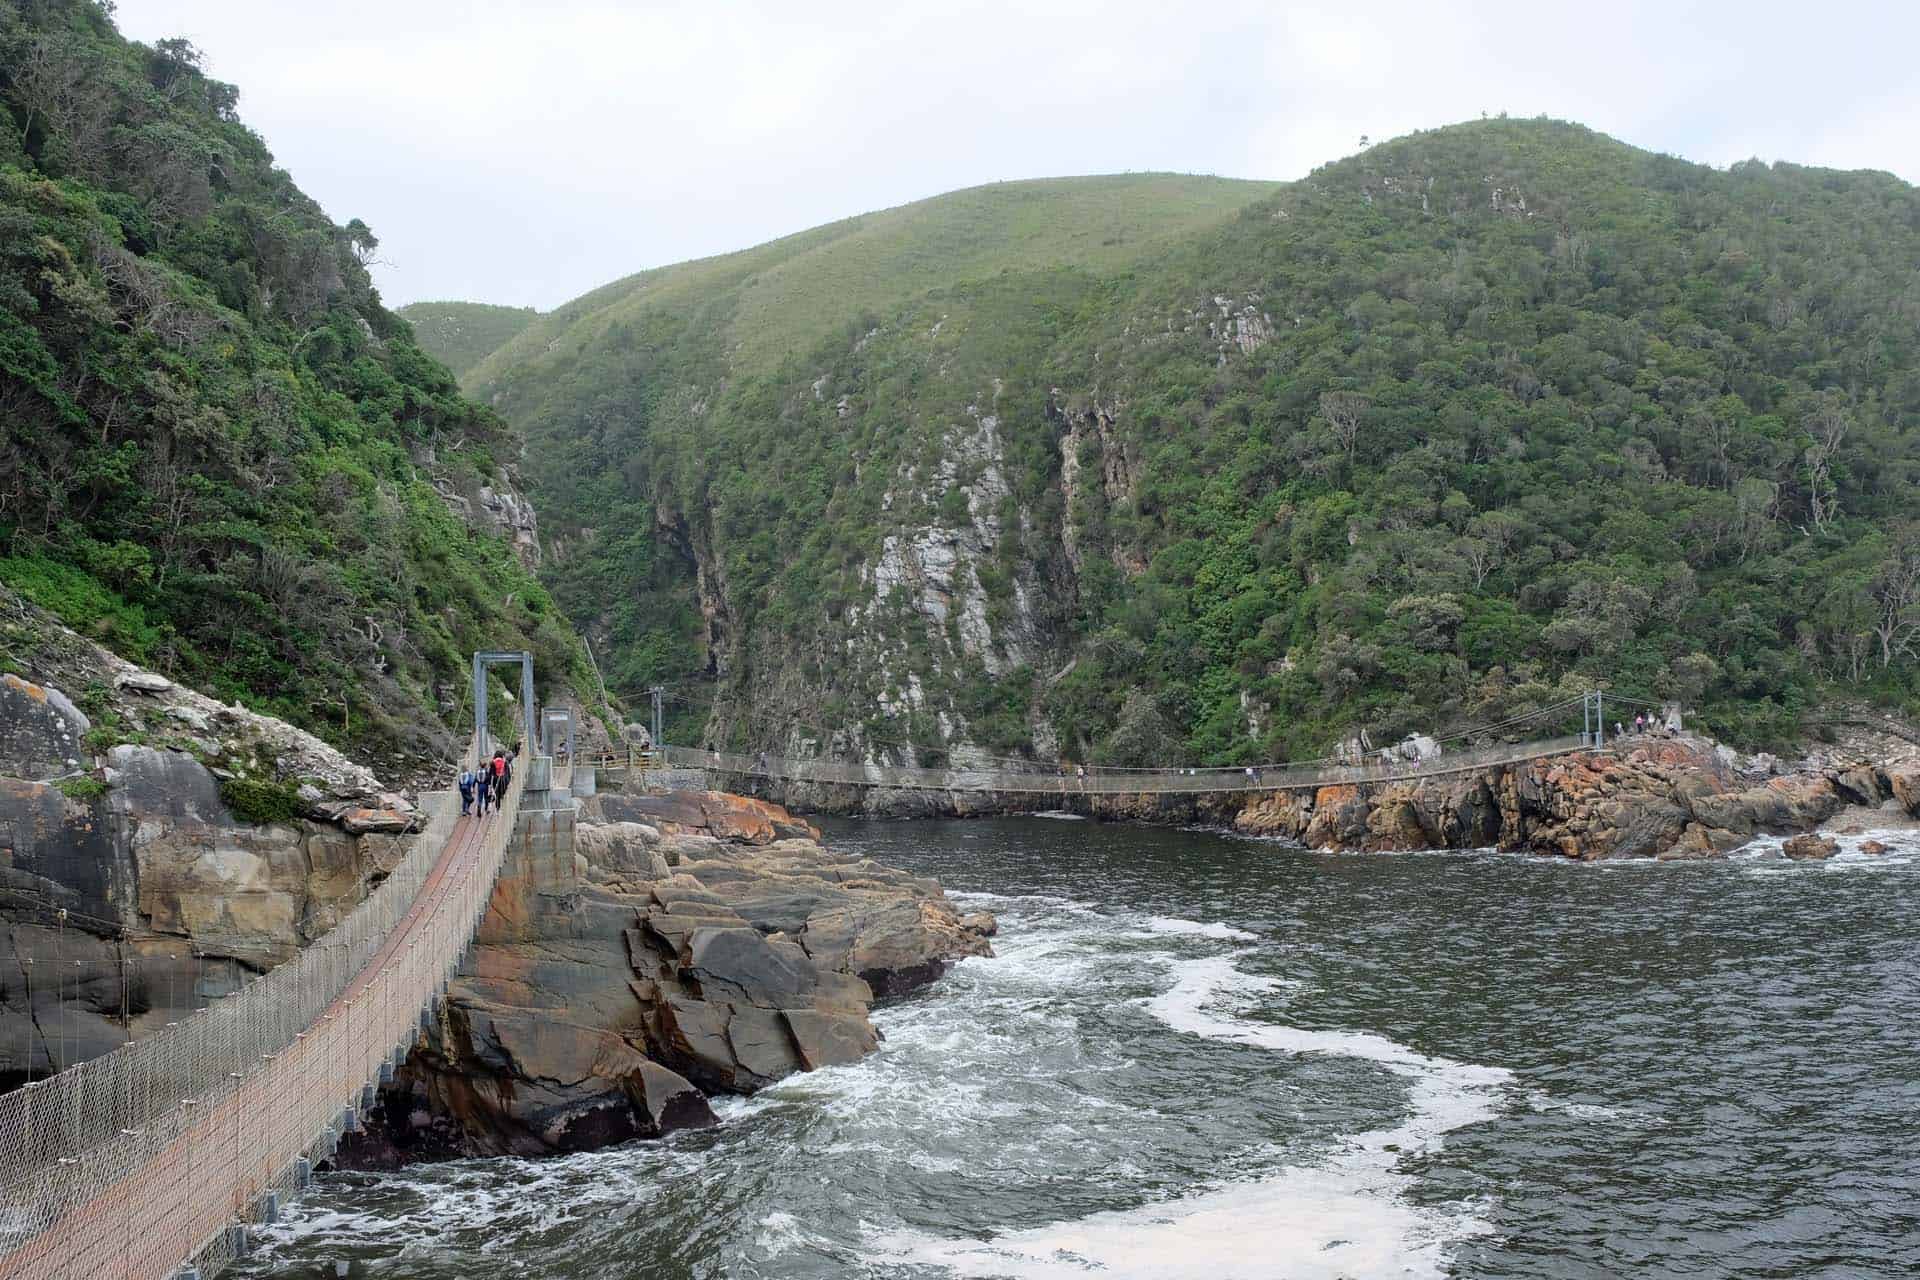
pixel 1437 434
pixel 219 454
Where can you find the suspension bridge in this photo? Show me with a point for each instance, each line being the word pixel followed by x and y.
pixel 149 1162
pixel 1512 740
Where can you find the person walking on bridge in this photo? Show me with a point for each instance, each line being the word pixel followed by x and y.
pixel 506 778
pixel 482 788
pixel 466 792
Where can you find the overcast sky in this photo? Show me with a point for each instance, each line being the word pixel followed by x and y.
pixel 526 152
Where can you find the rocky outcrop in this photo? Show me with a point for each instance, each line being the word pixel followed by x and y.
pixel 694 944
pixel 130 891
pixel 1653 797
pixel 1810 848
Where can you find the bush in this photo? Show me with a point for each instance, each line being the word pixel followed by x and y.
pixel 84 787
pixel 261 802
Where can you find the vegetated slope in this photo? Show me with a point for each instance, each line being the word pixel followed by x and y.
pixel 1447 430
pixel 462 334
pixel 219 454
pixel 778 299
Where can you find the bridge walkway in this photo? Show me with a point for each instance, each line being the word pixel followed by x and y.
pixel 139 1164
pixel 1038 779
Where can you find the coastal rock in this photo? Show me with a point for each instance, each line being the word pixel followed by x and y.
pixel 696 945
pixel 1276 813
pixel 1903 780
pixel 1810 848
pixel 1872 848
pixel 1339 819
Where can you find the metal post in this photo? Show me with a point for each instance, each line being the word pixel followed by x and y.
pixel 1600 716
pixel 479 710
pixel 656 691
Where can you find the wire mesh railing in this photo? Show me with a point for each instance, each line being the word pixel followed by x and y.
pixel 1043 779
pixel 133 1163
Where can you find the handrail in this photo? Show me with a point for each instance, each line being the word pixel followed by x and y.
pixel 1092 781
pixel 135 1162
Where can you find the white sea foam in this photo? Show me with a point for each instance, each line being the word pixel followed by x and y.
pixel 1198 929
pixel 1338 1218
pixel 1060 815
pixel 1303 1224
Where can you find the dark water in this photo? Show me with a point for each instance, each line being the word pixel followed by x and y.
pixel 1200 1056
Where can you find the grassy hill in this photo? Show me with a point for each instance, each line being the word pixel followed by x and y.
pixel 776 300
pixel 462 334
pixel 219 454
pixel 1442 432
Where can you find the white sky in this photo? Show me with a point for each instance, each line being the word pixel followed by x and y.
pixel 527 152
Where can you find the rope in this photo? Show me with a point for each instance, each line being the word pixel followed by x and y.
pixel 134 1162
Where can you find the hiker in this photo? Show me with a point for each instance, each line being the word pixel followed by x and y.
pixel 466 791
pixel 499 770
pixel 1640 723
pixel 1619 731
pixel 482 788
pixel 506 774
pixel 760 763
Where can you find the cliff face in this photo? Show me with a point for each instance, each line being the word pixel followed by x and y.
pixel 131 892
pixel 694 944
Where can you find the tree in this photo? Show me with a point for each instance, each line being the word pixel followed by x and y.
pixel 1344 411
pixel 1895 590
pixel 1826 427
pixel 361 241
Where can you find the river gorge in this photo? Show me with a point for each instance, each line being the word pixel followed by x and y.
pixel 1209 1055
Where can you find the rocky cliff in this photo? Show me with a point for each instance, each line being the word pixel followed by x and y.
pixel 157 846
pixel 693 944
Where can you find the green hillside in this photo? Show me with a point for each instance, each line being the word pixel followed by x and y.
pixel 1441 432
pixel 775 300
pixel 462 334
pixel 219 453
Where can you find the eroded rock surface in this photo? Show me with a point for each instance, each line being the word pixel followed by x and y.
pixel 130 894
pixel 1653 797
pixel 698 944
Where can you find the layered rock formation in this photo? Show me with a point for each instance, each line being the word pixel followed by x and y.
pixel 130 890
pixel 1650 797
pixel 692 944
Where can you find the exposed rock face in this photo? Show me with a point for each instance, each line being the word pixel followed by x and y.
pixel 512 517
pixel 129 892
pixel 1666 798
pixel 696 943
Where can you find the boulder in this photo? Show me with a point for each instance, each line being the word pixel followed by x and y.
pixel 1339 819
pixel 1903 780
pixel 1810 848
pixel 361 822
pixel 144 682
pixel 1872 848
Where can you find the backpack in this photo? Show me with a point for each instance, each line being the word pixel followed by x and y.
pixel 466 779
pixel 499 766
